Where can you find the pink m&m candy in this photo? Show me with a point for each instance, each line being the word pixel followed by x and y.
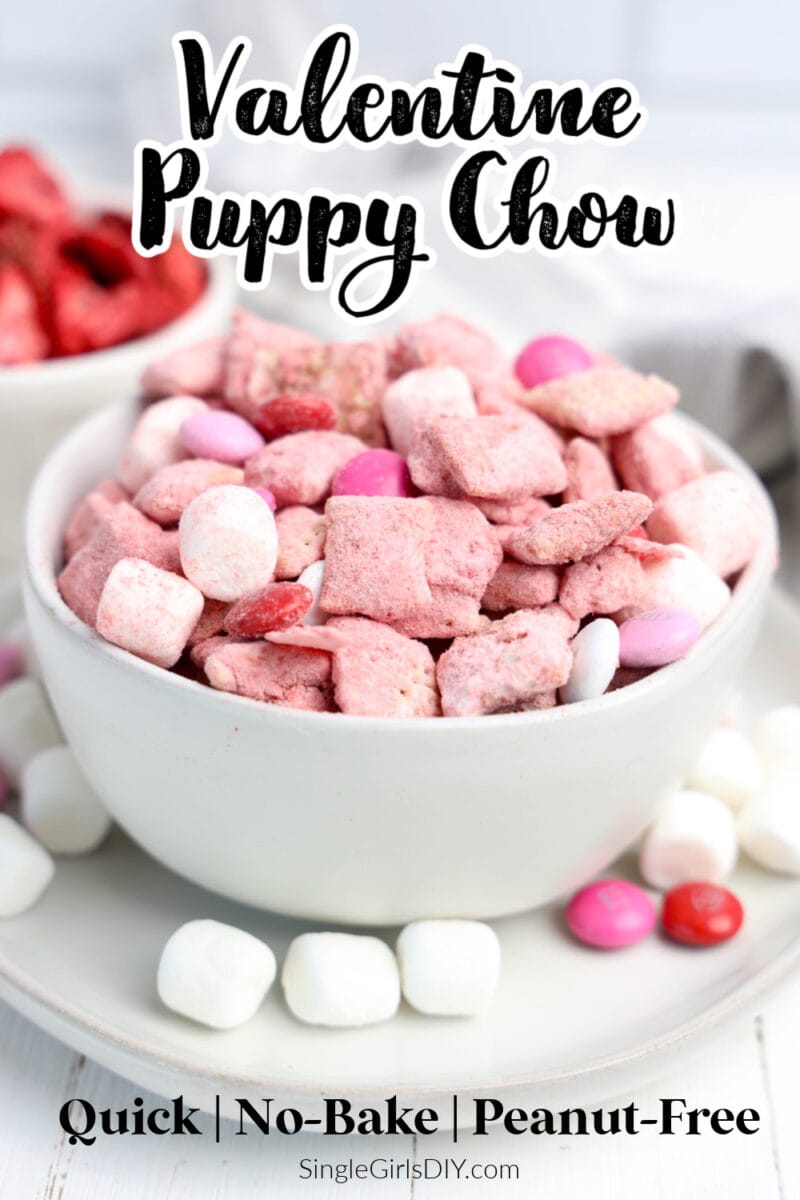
pixel 656 638
pixel 12 662
pixel 224 436
pixel 611 913
pixel 549 358
pixel 373 473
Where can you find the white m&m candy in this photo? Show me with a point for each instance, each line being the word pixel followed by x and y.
pixel 693 837
pixel 27 725
pixel 228 542
pixel 25 868
pixel 341 979
pixel 727 767
pixel 58 805
pixel 449 968
pixel 215 974
pixel 595 658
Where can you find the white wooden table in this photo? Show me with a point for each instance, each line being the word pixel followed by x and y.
pixel 755 1065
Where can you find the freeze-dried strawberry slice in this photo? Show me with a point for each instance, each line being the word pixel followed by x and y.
pixel 294 413
pixel 104 249
pixel 27 190
pixel 85 316
pixel 179 273
pixel 278 606
pixel 21 336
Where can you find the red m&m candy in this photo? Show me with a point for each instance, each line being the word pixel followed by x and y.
pixel 701 914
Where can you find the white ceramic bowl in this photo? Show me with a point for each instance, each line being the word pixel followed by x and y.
pixel 40 402
pixel 367 820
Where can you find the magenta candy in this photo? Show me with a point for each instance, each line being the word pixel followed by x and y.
pixel 549 358
pixel 224 436
pixel 373 473
pixel 267 496
pixel 12 662
pixel 656 638
pixel 611 913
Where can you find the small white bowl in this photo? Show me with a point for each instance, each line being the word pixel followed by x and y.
pixel 40 402
pixel 357 819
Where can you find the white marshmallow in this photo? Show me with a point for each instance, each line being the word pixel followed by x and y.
pixel 313 578
pixel 340 979
pixel 727 767
pixel 449 968
pixel 148 611
pixel 426 392
pixel 769 826
pixel 693 838
pixel 155 440
pixel 58 805
pixel 25 868
pixel 228 542
pixel 683 581
pixel 595 658
pixel 777 741
pixel 27 725
pixel 215 974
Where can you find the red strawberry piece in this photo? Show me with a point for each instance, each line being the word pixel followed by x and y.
pixel 29 191
pixel 179 273
pixel 117 316
pixel 85 316
pixel 294 413
pixel 278 606
pixel 103 247
pixel 22 338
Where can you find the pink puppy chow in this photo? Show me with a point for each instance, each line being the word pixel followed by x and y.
pixel 446 341
pixel 683 580
pixel 426 392
pixel 589 472
pixel 716 515
pixel 210 623
pixel 123 533
pixel 155 441
pixel 171 489
pixel 299 468
pixel 515 585
pixel 515 660
pixel 375 557
pixel 380 673
pixel 602 584
pixel 89 513
pixel 523 513
pixel 603 401
pixel 647 461
pixel 301 540
pixel 147 611
pixel 196 370
pixel 253 350
pixel 580 529
pixel 352 375
pixel 499 458
pixel 290 676
pixel 462 553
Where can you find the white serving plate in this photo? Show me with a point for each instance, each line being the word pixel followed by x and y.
pixel 569 1024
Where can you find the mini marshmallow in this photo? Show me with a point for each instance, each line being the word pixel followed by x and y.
pixel 147 611
pixel 449 968
pixel 595 658
pixel 769 826
pixel 58 805
pixel 717 516
pixel 25 868
pixel 777 741
pixel 693 837
pixel 27 725
pixel 228 542
pixel 155 441
pixel 313 578
pixel 426 392
pixel 341 979
pixel 682 581
pixel 215 974
pixel 727 767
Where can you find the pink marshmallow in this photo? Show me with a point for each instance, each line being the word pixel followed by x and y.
pixel 717 516
pixel 147 611
pixel 579 530
pixel 300 468
pixel 602 401
pixel 155 441
pixel 424 393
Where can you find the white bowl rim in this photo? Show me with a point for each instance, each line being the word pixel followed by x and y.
pixel 41 574
pixel 69 366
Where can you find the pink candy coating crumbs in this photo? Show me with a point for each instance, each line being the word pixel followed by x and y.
pixel 611 913
pixel 460 514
